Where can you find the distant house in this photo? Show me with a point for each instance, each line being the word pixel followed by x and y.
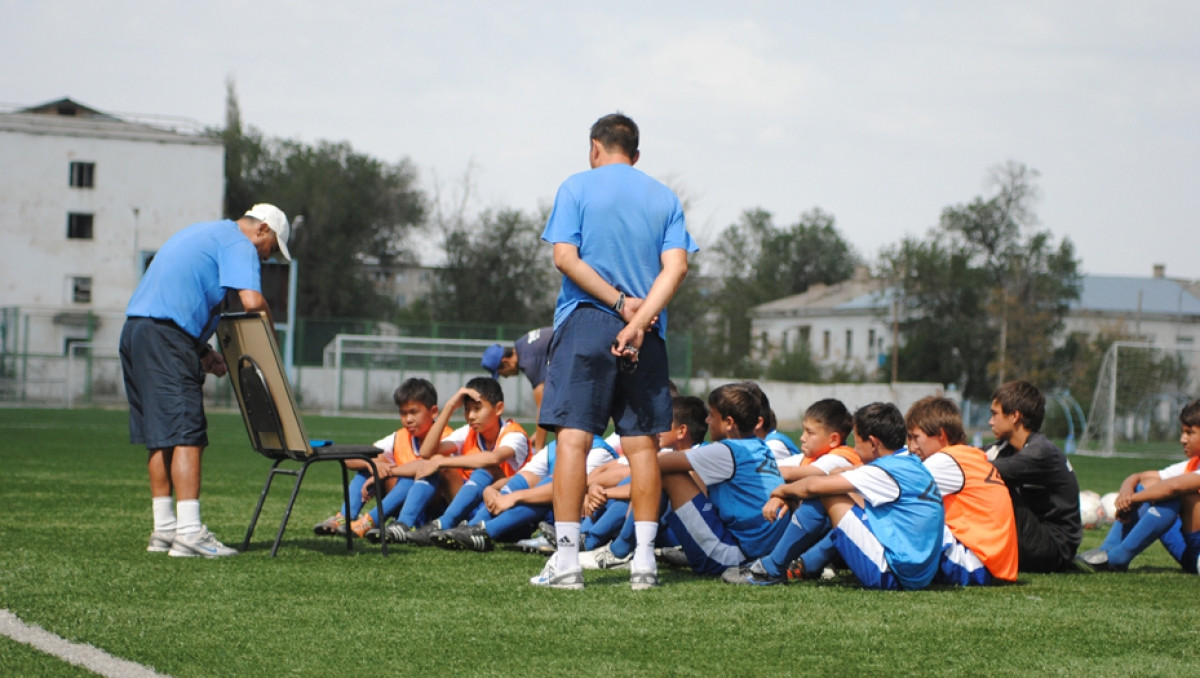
pixel 86 199
pixel 848 325
pixel 403 282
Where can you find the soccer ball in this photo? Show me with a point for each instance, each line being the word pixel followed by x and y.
pixel 1109 503
pixel 1091 511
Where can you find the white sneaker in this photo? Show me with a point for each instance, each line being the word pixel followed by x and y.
pixel 538 544
pixel 160 541
pixel 552 578
pixel 603 559
pixel 641 581
pixel 201 543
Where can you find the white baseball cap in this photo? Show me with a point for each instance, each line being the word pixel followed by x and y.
pixel 277 221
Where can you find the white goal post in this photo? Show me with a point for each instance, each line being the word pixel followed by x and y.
pixel 1140 390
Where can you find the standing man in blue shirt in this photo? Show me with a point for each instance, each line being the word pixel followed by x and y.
pixel 621 243
pixel 165 355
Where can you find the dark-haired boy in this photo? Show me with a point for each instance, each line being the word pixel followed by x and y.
pixel 1040 480
pixel 980 545
pixel 722 525
pixel 827 427
pixel 886 516
pixel 465 463
pixel 417 401
pixel 1156 505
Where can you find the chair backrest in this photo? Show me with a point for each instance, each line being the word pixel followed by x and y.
pixel 263 393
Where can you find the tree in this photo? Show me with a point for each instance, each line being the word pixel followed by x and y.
pixel 758 262
pixel 983 297
pixel 353 206
pixel 497 271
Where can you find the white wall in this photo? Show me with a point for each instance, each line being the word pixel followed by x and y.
pixel 172 183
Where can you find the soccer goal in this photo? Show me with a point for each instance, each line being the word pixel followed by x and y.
pixel 367 368
pixel 1139 392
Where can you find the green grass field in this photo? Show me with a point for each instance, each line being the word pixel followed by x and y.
pixel 75 515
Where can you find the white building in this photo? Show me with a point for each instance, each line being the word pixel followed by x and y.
pixel 848 325
pixel 86 198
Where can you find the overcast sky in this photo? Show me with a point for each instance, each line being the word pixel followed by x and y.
pixel 879 113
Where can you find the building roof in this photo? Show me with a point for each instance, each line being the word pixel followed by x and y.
pixel 1097 294
pixel 69 118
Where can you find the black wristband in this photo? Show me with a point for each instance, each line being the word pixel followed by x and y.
pixel 619 303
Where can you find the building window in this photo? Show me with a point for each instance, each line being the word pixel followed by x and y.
pixel 79 226
pixel 870 342
pixel 849 343
pixel 83 174
pixel 81 290
pixel 826 339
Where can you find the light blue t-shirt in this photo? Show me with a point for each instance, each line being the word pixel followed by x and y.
pixel 622 220
pixel 189 275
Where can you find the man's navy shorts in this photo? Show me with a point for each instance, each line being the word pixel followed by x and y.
pixel 585 387
pixel 164 384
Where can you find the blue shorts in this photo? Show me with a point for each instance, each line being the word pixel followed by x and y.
pixel 958 565
pixel 164 385
pixel 585 387
pixel 709 546
pixel 863 553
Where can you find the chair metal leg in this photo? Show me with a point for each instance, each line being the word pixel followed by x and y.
pixel 346 499
pixel 287 514
pixel 383 549
pixel 258 509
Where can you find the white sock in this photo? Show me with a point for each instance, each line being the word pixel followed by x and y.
pixel 643 553
pixel 567 536
pixel 189 517
pixel 164 514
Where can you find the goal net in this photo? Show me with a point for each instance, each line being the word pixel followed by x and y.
pixel 1140 391
pixel 367 368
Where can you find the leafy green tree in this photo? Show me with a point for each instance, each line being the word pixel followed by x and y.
pixel 497 271
pixel 983 297
pixel 353 205
pixel 759 261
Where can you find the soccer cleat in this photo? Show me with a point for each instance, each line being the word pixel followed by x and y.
pixel 641 581
pixel 538 544
pixel 603 559
pixel 673 556
pixel 550 577
pixel 361 526
pixel 201 543
pixel 547 530
pixel 1092 561
pixel 423 535
pixel 160 541
pixel 751 574
pixel 396 533
pixel 795 571
pixel 331 526
pixel 466 537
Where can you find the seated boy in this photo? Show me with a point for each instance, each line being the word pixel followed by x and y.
pixel 780 445
pixel 980 542
pixel 738 470
pixel 1149 505
pixel 480 452
pixel 827 426
pixel 886 516
pixel 417 401
pixel 610 537
pixel 513 510
pixel 1040 480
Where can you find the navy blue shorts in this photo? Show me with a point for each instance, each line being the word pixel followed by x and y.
pixel 585 388
pixel 164 385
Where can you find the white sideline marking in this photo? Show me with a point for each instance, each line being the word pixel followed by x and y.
pixel 91 658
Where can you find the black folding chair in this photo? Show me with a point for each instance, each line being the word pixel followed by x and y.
pixel 273 420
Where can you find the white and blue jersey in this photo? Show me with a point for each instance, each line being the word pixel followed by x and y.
pixel 904 511
pixel 781 445
pixel 740 475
